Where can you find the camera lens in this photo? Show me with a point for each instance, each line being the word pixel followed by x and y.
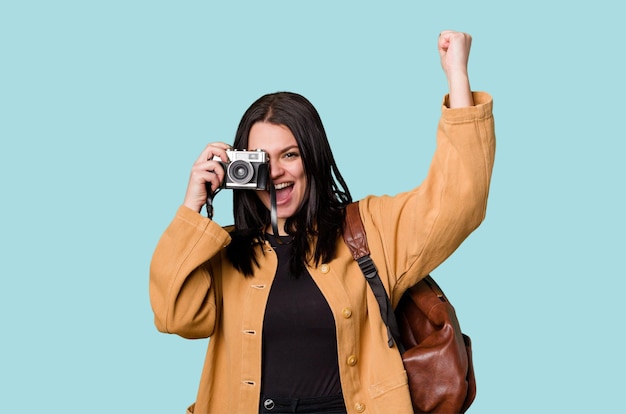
pixel 240 171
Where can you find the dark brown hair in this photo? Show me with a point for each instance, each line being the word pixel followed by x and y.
pixel 318 222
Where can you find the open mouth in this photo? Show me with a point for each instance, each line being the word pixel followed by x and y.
pixel 283 191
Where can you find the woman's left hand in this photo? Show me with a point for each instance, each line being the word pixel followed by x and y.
pixel 454 49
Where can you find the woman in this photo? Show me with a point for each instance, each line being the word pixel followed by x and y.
pixel 282 300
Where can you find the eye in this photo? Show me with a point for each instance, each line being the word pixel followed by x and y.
pixel 292 154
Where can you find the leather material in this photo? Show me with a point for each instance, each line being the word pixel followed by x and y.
pixel 437 356
pixel 354 234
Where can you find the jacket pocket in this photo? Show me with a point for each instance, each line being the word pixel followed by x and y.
pixel 391 383
pixel 391 395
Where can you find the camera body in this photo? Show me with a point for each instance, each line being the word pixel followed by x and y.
pixel 246 170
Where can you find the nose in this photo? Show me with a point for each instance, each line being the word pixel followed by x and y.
pixel 275 170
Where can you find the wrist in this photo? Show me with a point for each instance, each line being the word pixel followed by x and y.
pixel 460 92
pixel 193 205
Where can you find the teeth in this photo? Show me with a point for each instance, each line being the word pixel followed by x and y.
pixel 282 185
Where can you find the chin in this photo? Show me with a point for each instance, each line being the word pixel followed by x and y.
pixel 285 214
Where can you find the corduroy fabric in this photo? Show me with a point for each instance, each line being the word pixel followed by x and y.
pixel 196 293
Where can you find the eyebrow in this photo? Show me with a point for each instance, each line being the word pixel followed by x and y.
pixel 290 148
pixel 286 149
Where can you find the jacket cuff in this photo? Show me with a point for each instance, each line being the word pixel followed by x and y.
pixel 206 225
pixel 483 106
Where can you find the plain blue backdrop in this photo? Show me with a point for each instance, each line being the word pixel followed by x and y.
pixel 104 106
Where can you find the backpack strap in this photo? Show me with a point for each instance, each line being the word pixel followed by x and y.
pixel 356 239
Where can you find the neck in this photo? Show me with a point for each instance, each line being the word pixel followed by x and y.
pixel 281 229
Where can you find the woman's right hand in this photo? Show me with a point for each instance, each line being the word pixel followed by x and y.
pixel 205 170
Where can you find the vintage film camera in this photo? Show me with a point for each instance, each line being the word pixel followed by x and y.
pixel 246 170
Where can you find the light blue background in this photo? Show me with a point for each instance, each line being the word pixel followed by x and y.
pixel 104 106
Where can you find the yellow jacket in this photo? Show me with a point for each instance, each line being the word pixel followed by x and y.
pixel 196 293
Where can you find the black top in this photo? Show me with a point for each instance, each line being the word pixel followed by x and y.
pixel 299 338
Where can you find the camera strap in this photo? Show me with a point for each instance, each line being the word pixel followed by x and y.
pixel 274 212
pixel 209 200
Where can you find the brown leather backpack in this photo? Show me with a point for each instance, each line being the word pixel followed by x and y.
pixel 437 356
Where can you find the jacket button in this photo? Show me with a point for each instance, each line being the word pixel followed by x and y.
pixel 347 313
pixel 324 268
pixel 269 404
pixel 351 360
pixel 359 407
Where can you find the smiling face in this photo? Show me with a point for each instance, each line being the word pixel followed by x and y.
pixel 286 168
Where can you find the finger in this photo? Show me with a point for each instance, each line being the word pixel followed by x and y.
pixel 211 171
pixel 214 149
pixel 443 33
pixel 443 42
pixel 201 181
pixel 213 181
pixel 217 174
pixel 448 36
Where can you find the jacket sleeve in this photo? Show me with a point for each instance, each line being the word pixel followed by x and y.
pixel 182 292
pixel 413 232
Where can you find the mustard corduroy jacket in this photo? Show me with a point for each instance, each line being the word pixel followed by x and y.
pixel 196 293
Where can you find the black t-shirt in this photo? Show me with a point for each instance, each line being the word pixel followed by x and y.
pixel 299 338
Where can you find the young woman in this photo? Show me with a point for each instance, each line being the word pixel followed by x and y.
pixel 293 325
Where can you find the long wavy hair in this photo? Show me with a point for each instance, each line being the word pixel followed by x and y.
pixel 318 222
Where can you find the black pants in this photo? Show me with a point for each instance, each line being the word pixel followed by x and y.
pixel 326 405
